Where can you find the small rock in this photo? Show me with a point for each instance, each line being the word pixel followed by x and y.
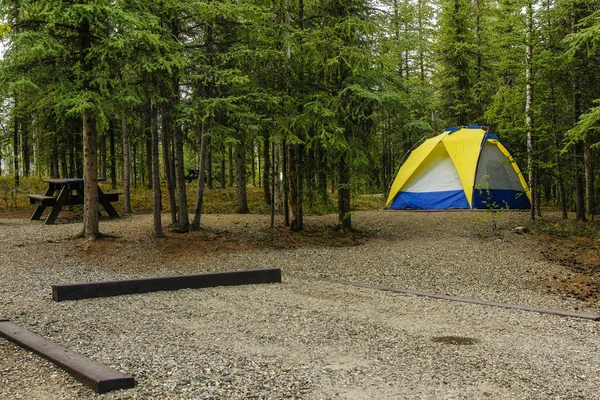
pixel 521 229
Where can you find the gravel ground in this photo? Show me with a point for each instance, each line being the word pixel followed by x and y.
pixel 305 338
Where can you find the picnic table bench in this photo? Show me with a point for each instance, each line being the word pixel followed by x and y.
pixel 65 192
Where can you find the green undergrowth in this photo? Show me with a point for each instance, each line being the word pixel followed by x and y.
pixel 216 201
pixel 556 227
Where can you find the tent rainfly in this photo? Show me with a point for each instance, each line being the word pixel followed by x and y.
pixel 464 167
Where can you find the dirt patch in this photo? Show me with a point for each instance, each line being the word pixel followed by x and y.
pixel 184 248
pixel 581 255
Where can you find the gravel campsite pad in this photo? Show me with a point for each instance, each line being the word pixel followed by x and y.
pixel 305 338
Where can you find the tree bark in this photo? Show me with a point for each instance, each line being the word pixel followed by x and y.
pixel 240 177
pixel 588 165
pixel 292 203
pixel 16 149
pixel 91 229
pixel 277 195
pixel 209 164
pixel 344 216
pixel 184 222
pixel 148 135
pixel 103 156
pixel 529 107
pixel 267 173
pixel 113 154
pixel 167 128
pixel 155 163
pixel 201 176
pixel 579 198
pixel 231 173
pixel 126 167
pixel 285 185
pixel 252 163
pixel 25 148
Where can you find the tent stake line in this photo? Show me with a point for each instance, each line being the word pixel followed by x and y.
pixel 563 313
pixel 78 291
pixel 98 377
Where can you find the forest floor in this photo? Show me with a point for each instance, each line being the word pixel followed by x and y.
pixel 310 338
pixel 569 243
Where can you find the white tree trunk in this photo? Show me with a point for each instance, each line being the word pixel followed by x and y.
pixel 529 104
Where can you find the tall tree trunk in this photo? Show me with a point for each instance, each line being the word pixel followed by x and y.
pixel 72 156
pixel 222 180
pixel 277 195
pixel 167 128
pixel 148 134
pixel 285 185
pixel 344 217
pixel 421 33
pixel 240 177
pixel 103 156
pixel 25 148
pixel 126 167
pixel 292 183
pixel 252 163
pixel 54 161
pixel 113 154
pixel 272 185
pixel 562 195
pixel 91 229
pixel 576 111
pixel 322 175
pixel 16 149
pixel 267 173
pixel 579 198
pixel 184 222
pixel 588 164
pixel 231 170
pixel 529 107
pixel 201 176
pixel 209 164
pixel 156 198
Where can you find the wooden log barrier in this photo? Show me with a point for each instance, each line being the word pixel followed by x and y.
pixel 78 291
pixel 563 313
pixel 98 377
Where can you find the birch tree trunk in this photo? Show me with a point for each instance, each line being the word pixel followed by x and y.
pixel 529 107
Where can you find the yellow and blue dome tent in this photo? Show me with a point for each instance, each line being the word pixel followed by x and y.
pixel 463 167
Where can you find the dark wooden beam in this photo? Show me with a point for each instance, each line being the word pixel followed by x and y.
pixel 78 291
pixel 98 377
pixel 563 313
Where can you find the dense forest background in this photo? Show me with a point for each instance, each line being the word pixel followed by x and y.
pixel 312 100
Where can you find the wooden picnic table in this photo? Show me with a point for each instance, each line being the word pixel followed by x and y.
pixel 68 191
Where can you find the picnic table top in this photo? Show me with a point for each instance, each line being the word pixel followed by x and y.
pixel 69 180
